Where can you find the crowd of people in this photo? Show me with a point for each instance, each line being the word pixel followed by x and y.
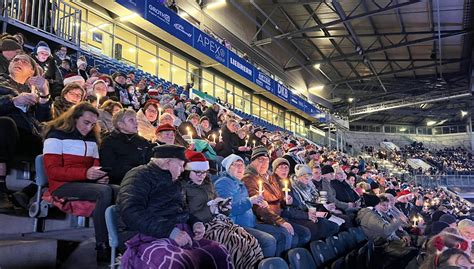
pixel 196 186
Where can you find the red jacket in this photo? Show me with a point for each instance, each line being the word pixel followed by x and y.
pixel 68 156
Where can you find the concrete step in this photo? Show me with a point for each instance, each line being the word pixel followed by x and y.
pixel 28 253
pixel 21 223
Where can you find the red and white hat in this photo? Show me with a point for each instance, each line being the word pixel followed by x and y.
pixel 196 161
pixel 73 78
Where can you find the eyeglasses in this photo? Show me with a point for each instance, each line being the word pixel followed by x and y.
pixel 238 165
pixel 75 94
pixel 199 173
pixel 21 60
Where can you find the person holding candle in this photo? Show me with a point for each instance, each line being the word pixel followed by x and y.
pixel 147 118
pixel 296 235
pixel 304 198
pixel 99 90
pixel 229 185
pixel 230 141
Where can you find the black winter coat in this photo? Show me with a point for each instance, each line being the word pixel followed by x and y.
pixel 123 152
pixel 4 63
pixel 212 115
pixel 344 192
pixel 230 144
pixel 151 203
pixel 52 74
pixel 29 120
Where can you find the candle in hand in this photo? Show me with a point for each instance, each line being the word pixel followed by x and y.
pixel 286 190
pixel 98 99
pixel 159 114
pixel 253 143
pixel 246 141
pixel 214 137
pixel 260 187
pixel 220 134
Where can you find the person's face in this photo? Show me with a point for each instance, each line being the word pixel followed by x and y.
pixel 21 66
pixel 120 80
pixel 176 167
pixel 131 77
pixel 169 111
pixel 151 113
pixel 65 65
pixel 316 174
pixel 115 110
pixel 86 122
pixel 351 181
pixel 264 140
pixel 166 137
pixel 233 127
pixel 383 207
pixel 340 176
pixel 330 176
pixel 195 121
pixel 172 90
pixel 237 169
pixel 216 108
pixel 129 125
pixel 468 233
pixel 197 177
pixel 42 56
pixel 282 170
pixel 100 89
pixel 9 54
pixel 205 124
pixel 304 179
pixel 259 134
pixel 261 164
pixel 74 96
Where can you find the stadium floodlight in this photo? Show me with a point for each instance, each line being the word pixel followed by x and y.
pixel 317 66
pixel 463 113
pixel 430 123
pixel 350 99
pixel 216 4
pixel 316 88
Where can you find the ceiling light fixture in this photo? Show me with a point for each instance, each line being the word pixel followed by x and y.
pixel 216 4
pixel 317 66
pixel 430 123
pixel 463 113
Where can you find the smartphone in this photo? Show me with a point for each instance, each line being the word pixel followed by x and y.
pixel 106 169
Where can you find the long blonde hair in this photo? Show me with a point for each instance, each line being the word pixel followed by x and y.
pixel 67 121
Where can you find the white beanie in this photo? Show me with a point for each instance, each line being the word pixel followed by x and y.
pixel 229 160
pixel 81 62
pixel 72 78
pixel 302 169
pixel 43 47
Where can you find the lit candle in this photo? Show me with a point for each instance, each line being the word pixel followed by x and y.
pixel 98 100
pixel 286 190
pixel 260 187
pixel 214 137
pixel 253 143
pixel 246 141
pixel 190 134
pixel 159 114
pixel 220 134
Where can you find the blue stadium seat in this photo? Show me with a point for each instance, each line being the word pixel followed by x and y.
pixel 111 219
pixel 39 209
pixel 338 264
pixel 349 240
pixel 273 263
pixel 322 251
pixel 300 258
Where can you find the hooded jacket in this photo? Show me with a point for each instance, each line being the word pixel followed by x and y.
pixel 375 227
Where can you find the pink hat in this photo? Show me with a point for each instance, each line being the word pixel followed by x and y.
pixel 73 78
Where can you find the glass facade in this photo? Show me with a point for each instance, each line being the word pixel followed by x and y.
pixel 401 129
pixel 109 37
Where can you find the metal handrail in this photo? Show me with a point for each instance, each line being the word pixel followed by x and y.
pixel 461 181
pixel 55 17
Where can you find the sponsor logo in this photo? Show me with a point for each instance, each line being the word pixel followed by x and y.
pixel 213 46
pixel 282 91
pixel 159 14
pixel 240 66
pixel 180 28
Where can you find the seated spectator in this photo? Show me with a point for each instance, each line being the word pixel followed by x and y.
pixel 123 149
pixel 229 185
pixel 327 175
pixel 107 110
pixel 9 48
pixel 165 134
pixel 344 192
pixel 74 78
pixel 293 157
pixel 298 211
pixel 187 128
pixel 168 108
pixel 211 210
pixel 72 94
pixel 257 173
pixel 230 143
pixel 211 113
pixel 382 231
pixel 180 111
pixel 21 111
pixel 153 215
pixel 99 89
pixel 120 83
pixel 129 98
pixel 82 67
pixel 42 56
pixel 147 118
pixel 65 68
pixel 206 128
pixel 71 161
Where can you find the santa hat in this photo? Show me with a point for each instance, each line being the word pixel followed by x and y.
pixel 73 78
pixel 196 161
pixel 43 47
pixel 97 82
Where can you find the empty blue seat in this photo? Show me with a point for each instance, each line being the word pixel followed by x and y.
pixel 322 251
pixel 273 263
pixel 338 264
pixel 300 258
pixel 111 220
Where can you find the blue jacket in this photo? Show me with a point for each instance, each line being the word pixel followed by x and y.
pixel 241 213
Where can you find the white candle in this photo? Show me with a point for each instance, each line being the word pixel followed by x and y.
pixel 260 187
pixel 220 134
pixel 253 143
pixel 246 141
pixel 159 114
pixel 214 137
pixel 286 190
pixel 98 99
